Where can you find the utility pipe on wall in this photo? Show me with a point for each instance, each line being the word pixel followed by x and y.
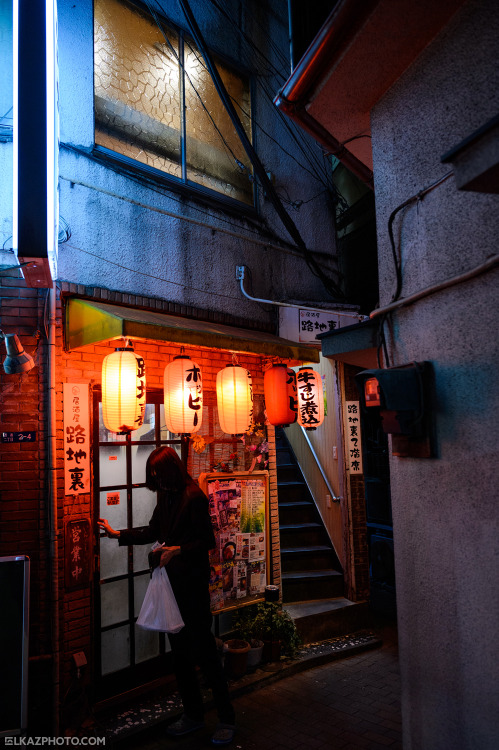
pixel 52 509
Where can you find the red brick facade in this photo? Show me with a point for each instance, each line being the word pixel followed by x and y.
pixel 24 508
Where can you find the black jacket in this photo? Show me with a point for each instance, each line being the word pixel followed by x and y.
pixel 179 519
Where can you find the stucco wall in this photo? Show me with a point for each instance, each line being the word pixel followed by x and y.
pixel 179 249
pixel 445 509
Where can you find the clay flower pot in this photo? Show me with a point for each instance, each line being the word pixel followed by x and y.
pixel 255 654
pixel 236 657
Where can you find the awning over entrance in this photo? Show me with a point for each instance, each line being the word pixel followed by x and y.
pixel 88 322
pixel 355 344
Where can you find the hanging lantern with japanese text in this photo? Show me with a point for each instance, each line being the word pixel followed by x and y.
pixel 279 383
pixel 310 398
pixel 123 390
pixel 183 396
pixel 234 399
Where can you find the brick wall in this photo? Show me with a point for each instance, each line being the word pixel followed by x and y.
pixel 84 366
pixel 24 488
pixel 23 482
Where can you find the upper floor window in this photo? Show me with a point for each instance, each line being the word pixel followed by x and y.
pixel 155 102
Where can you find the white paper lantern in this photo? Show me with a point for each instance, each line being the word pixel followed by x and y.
pixel 123 390
pixel 234 399
pixel 183 388
pixel 310 398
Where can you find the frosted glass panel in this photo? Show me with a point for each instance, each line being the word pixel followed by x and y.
pixel 112 465
pixel 210 158
pixel 146 644
pixel 147 430
pixel 113 559
pixel 114 602
pixel 115 650
pixel 140 556
pixel 113 507
pixel 137 86
pixel 140 454
pixel 140 584
pixel 104 435
pixel 163 432
pixel 143 504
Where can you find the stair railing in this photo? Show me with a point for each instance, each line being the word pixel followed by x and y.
pixel 334 497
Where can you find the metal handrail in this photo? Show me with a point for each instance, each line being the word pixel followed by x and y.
pixel 334 497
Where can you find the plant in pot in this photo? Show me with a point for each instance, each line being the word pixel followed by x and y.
pixel 236 657
pixel 244 626
pixel 275 627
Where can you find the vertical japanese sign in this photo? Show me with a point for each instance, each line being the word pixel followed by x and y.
pixel 310 398
pixel 76 439
pixel 77 553
pixel 353 441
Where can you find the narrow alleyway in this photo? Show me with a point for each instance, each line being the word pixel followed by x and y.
pixel 351 704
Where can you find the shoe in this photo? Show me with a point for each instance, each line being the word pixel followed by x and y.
pixel 184 725
pixel 223 735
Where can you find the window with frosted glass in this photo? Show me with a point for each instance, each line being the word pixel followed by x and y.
pixel 123 572
pixel 155 102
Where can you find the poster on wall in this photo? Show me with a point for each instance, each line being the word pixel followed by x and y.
pixel 239 514
pixel 76 439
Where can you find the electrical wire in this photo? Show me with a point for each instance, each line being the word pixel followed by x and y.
pixel 259 126
pixel 383 313
pixel 263 237
pixel 185 73
pixel 269 95
pixel 249 41
pixel 153 276
pixel 396 260
pixel 5 116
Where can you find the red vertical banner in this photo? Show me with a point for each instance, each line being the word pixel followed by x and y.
pixel 77 569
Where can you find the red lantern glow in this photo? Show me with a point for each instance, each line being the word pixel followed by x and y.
pixel 280 395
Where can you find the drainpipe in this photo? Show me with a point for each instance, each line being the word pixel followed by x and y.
pixel 52 509
pixel 327 47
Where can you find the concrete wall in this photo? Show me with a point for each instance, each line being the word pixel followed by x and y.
pixel 186 251
pixel 445 509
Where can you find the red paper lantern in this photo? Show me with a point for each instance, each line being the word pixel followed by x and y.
pixel 279 383
pixel 183 396
pixel 234 399
pixel 310 398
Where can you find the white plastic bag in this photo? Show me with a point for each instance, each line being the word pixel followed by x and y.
pixel 159 609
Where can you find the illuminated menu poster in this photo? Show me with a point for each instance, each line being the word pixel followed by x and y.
pixel 238 508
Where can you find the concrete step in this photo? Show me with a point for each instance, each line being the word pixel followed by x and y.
pixel 313 557
pixel 297 512
pixel 288 473
pixel 298 585
pixel 327 618
pixel 288 492
pixel 302 535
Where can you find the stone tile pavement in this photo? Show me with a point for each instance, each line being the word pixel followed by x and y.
pixel 349 704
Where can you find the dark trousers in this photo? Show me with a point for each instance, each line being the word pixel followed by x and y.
pixel 195 645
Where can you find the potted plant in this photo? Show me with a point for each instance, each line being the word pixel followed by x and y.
pixel 236 657
pixel 274 626
pixel 244 626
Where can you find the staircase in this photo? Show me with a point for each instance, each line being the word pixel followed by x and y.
pixel 312 580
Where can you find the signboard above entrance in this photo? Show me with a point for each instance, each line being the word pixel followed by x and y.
pixel 304 324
